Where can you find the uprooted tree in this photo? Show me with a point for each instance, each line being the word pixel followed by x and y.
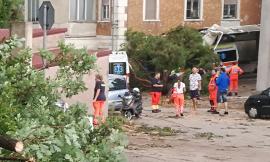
pixel 181 47
pixel 28 112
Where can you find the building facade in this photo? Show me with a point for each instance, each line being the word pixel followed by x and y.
pixel 89 23
pixel 159 16
pixel 101 24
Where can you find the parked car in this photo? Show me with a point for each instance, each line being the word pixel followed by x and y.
pixel 117 87
pixel 258 105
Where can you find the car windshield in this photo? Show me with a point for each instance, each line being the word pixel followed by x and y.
pixel 117 84
pixel 226 56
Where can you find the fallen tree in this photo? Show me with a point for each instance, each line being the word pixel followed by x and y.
pixel 11 144
pixel 181 47
pixel 29 112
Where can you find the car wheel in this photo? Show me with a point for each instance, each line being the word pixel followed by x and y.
pixel 128 115
pixel 253 112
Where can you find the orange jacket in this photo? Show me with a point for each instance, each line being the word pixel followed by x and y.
pixel 235 71
pixel 212 86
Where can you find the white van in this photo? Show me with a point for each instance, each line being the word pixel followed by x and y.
pixel 118 78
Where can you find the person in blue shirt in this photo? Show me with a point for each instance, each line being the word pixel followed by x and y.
pixel 223 83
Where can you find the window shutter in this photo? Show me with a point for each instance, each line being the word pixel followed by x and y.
pixel 105 2
pixel 150 9
pixel 73 9
pixel 91 10
pixel 230 1
pixel 82 10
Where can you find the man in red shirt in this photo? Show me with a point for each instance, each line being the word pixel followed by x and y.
pixel 234 73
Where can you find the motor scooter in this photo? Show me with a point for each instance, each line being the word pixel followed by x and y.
pixel 131 104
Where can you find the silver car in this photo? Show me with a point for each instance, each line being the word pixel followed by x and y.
pixel 117 86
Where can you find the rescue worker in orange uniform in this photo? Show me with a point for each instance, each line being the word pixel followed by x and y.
pixel 156 93
pixel 213 89
pixel 234 73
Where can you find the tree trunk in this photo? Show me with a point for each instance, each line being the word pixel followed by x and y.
pixel 11 144
pixel 14 159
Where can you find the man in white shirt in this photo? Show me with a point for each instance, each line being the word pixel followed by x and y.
pixel 195 85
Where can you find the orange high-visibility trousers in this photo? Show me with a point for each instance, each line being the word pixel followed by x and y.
pixel 98 112
pixel 155 98
pixel 234 72
pixel 233 85
pixel 213 98
pixel 179 101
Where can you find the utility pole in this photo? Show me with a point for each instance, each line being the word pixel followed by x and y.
pixel 114 25
pixel 112 19
pixel 46 21
pixel 44 32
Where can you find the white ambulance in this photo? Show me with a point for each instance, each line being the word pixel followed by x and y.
pixel 118 78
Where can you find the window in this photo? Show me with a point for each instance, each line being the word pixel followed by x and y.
pixel 230 9
pixel 117 84
pixel 82 10
pixel 151 10
pixel 33 6
pixel 193 9
pixel 227 56
pixel 105 9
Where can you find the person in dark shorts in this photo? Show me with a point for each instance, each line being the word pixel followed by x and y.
pixel 194 87
pixel 223 83
pixel 156 92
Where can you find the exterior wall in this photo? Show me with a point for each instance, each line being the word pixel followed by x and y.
pixel 95 43
pixel 76 29
pixel 169 16
pixel 104 28
pixel 250 12
pixel 52 41
pixel 212 13
pixel 59 6
pixel 23 30
pixel 86 97
pixel 172 14
pixel 263 76
pixel 96 34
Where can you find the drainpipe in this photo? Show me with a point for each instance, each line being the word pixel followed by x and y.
pixel 112 22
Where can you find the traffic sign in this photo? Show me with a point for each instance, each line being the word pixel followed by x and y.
pixel 46 15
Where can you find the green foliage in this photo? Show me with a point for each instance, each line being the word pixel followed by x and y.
pixel 11 10
pixel 28 110
pixel 180 47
